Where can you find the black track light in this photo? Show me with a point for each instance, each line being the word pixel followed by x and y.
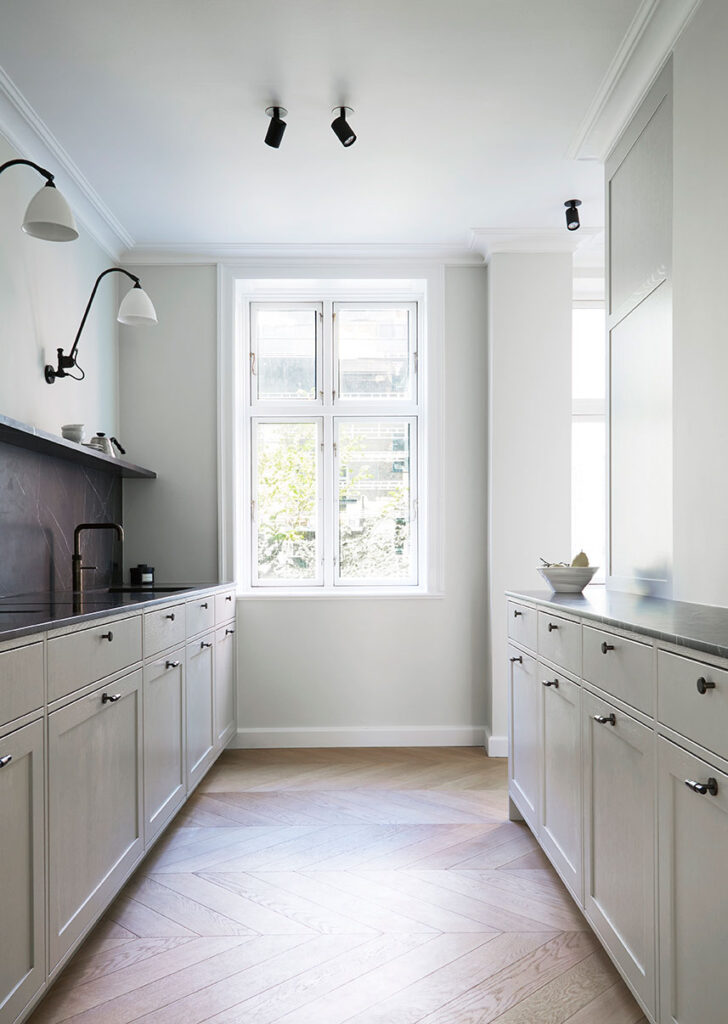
pixel 277 126
pixel 341 127
pixel 572 214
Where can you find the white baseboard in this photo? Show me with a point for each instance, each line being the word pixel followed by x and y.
pixel 497 746
pixel 356 736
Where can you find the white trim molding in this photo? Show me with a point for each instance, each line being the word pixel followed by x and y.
pixel 489 241
pixel 27 133
pixel 495 746
pixel 262 253
pixel 362 736
pixel 648 42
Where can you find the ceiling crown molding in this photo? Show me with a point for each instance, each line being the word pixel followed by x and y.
pixel 648 42
pixel 489 241
pixel 27 133
pixel 276 253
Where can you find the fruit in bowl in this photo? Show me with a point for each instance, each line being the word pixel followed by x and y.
pixel 568 579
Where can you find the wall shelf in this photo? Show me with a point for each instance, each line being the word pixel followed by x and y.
pixel 23 436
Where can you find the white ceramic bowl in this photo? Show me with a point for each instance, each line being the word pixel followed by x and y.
pixel 72 431
pixel 569 579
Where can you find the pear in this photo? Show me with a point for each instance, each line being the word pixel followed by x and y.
pixel 580 559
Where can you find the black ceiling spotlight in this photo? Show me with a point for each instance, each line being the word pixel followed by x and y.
pixel 572 214
pixel 341 127
pixel 277 126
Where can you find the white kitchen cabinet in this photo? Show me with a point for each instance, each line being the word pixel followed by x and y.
pixel 560 831
pixel 693 890
pixel 225 722
pixel 22 878
pixel 525 751
pixel 95 821
pixel 164 740
pixel 619 839
pixel 200 708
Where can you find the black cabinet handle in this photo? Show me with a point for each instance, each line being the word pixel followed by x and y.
pixel 204 605
pixel 605 719
pixel 552 626
pixel 170 617
pixel 519 659
pixel 171 664
pixel 711 786
pixel 606 647
pixel 516 613
pixel 107 636
pixel 229 632
pixel 110 698
pixel 550 682
pixel 229 597
pixel 203 644
pixel 5 760
pixel 704 685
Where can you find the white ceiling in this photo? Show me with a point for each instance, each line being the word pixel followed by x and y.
pixel 465 111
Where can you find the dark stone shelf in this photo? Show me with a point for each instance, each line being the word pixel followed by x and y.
pixel 23 436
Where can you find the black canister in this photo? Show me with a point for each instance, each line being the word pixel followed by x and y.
pixel 142 575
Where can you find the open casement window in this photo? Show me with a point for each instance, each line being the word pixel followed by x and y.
pixel 335 489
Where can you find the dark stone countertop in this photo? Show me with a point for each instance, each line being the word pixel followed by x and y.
pixel 701 627
pixel 24 614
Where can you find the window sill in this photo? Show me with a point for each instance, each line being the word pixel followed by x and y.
pixel 366 593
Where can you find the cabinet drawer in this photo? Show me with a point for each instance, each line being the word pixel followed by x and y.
pixel 200 614
pixel 559 640
pixel 163 628
pixel 21 681
pixel 622 667
pixel 689 704
pixel 224 607
pixel 77 659
pixel 522 624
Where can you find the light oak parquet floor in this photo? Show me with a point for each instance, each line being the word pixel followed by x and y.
pixel 332 886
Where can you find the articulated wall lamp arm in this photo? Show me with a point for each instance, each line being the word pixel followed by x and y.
pixel 136 308
pixel 48 215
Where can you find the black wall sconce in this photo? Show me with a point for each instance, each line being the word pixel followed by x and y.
pixel 48 215
pixel 277 126
pixel 341 127
pixel 572 214
pixel 135 309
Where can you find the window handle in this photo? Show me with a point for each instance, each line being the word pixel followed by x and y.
pixel 252 364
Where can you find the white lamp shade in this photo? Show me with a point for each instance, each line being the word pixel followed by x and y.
pixel 136 309
pixel 49 216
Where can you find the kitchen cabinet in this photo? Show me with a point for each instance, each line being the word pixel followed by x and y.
pixel 164 740
pixel 693 891
pixel 225 722
pixel 95 826
pixel 525 734
pixel 22 877
pixel 200 708
pixel 81 657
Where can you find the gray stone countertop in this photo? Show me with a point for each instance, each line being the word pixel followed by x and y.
pixel 700 627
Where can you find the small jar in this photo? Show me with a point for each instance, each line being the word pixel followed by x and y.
pixel 142 575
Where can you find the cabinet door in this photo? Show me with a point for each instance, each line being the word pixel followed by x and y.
pixel 164 741
pixel 524 762
pixel 619 839
pixel 224 685
pixel 22 878
pixel 561 788
pixel 200 704
pixel 693 889
pixel 94 805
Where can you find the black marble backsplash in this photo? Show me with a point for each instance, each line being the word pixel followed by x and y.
pixel 42 500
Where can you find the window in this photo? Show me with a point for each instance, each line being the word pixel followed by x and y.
pixel 589 434
pixel 333 424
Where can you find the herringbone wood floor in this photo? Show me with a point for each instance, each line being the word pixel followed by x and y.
pixel 324 886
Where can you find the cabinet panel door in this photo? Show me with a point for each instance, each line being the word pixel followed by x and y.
pixel 561 792
pixel 525 739
pixel 22 878
pixel 94 805
pixel 619 839
pixel 225 723
pixel 200 704
pixel 164 741
pixel 693 890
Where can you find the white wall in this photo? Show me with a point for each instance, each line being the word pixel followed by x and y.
pixel 700 354
pixel 44 288
pixel 530 299
pixel 168 422
pixel 399 670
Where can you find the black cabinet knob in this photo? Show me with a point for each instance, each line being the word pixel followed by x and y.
pixel 519 659
pixel 229 632
pixel 516 613
pixel 204 605
pixel 704 685
pixel 171 664
pixel 110 698
pixel 5 760
pixel 551 682
pixel 605 719
pixel 204 644
pixel 107 636
pixel 228 597
pixel 606 647
pixel 552 626
pixel 170 616
pixel 711 786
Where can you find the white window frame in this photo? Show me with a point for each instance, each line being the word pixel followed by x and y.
pixel 244 282
pixel 254 360
pixel 364 404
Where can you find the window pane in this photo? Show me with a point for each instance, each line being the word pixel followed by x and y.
pixel 376 534
pixel 589 354
pixel 588 492
pixel 287 501
pixel 285 343
pixel 374 352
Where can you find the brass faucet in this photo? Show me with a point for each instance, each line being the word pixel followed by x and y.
pixel 77 568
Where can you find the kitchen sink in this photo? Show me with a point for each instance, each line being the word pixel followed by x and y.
pixel 147 590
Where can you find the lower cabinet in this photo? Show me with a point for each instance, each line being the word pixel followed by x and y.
pixel 164 741
pixel 225 723
pixel 94 805
pixel 619 840
pixel 22 883
pixel 525 738
pixel 693 817
pixel 200 708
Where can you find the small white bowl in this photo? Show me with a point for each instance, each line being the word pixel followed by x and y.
pixel 568 579
pixel 73 432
